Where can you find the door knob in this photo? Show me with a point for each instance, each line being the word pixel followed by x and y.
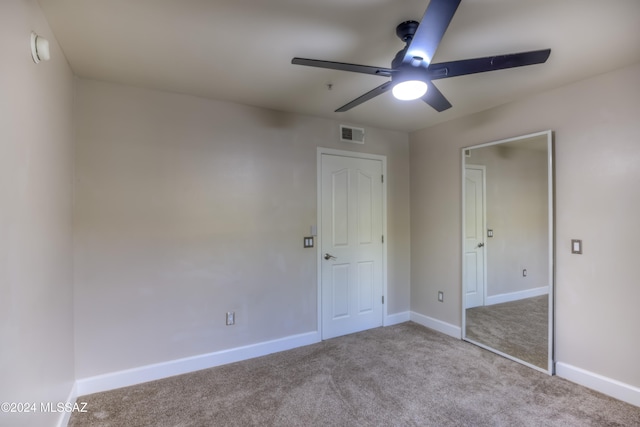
pixel 480 245
pixel 329 256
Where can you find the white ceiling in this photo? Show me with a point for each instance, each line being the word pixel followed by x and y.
pixel 241 50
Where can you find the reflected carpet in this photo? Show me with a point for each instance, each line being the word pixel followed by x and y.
pixel 518 328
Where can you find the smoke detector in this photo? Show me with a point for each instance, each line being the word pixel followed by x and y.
pixel 39 48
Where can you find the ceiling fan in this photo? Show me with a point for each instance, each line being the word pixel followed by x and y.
pixel 411 70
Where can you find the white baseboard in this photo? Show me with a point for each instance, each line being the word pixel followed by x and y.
pixel 64 417
pixel 396 318
pixel 157 371
pixel 515 296
pixel 597 382
pixel 438 325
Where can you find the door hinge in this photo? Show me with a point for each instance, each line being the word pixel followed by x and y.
pixel 383 299
pixel 383 239
pixel 381 178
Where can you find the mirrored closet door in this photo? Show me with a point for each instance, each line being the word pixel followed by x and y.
pixel 507 229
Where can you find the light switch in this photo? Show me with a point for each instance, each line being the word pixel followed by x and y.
pixel 576 246
pixel 489 233
pixel 308 242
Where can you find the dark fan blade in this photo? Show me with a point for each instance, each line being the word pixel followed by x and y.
pixel 435 98
pixel 367 96
pixel 445 70
pixel 434 23
pixel 365 69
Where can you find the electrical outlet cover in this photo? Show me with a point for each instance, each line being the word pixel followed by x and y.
pixel 231 318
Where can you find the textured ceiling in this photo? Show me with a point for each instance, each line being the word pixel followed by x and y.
pixel 241 50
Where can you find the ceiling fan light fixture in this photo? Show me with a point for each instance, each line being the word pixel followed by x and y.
pixel 409 90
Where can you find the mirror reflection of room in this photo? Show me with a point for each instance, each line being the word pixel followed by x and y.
pixel 507 232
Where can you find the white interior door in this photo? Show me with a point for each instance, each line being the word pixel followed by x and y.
pixel 351 244
pixel 474 249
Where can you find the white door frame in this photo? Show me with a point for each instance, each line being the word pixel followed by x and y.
pixel 343 153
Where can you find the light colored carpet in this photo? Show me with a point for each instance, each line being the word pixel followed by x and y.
pixel 518 328
pixel 402 375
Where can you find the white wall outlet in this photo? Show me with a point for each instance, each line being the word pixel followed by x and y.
pixel 231 318
pixel 440 296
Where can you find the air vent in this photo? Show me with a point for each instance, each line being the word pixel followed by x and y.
pixel 351 134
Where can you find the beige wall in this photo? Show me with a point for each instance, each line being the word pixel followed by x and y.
pixel 597 148
pixel 187 208
pixel 36 132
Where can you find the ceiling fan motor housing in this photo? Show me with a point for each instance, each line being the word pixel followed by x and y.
pixel 409 72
